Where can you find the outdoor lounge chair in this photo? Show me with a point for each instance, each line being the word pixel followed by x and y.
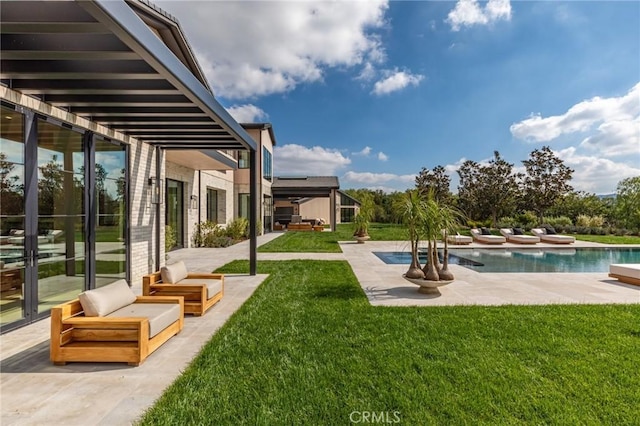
pixel 200 290
pixel 625 272
pixel 111 324
pixel 459 239
pixel 513 236
pixel 487 239
pixel 547 237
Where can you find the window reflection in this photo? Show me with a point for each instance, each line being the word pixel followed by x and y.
pixel 11 216
pixel 111 226
pixel 60 239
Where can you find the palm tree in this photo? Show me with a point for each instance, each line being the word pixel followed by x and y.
pixel 431 228
pixel 450 219
pixel 410 208
pixel 363 218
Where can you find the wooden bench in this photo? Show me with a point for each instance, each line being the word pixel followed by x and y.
pixel 76 337
pixel 200 290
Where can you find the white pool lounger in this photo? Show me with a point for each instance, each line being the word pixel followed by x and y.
pixel 626 272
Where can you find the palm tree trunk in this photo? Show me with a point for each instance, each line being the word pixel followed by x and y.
pixel 430 271
pixel 414 270
pixel 445 273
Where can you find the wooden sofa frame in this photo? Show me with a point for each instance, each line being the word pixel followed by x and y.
pixel 195 295
pixel 77 338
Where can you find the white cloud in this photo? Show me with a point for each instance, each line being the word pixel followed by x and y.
pixel 382 156
pixel 469 12
pixel 368 73
pixel 252 48
pixel 298 160
pixel 396 80
pixel 617 119
pixel 364 153
pixel 247 113
pixel 368 178
pixel 596 174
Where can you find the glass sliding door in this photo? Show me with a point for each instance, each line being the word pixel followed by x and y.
pixel 111 215
pixel 60 188
pixel 12 217
pixel 60 254
pixel 268 213
pixel 174 224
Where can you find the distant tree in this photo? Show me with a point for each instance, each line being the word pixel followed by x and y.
pixel 546 180
pixel 488 191
pixel 627 204
pixel 437 181
pixel 578 203
pixel 469 191
pixel 50 186
pixel 11 200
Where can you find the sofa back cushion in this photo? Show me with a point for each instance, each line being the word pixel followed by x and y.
pixel 174 273
pixel 104 300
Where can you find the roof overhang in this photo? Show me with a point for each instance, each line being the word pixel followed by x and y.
pixel 99 60
pixel 201 160
pixel 288 187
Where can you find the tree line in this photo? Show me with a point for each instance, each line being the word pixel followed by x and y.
pixel 495 194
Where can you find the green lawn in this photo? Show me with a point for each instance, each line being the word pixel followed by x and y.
pixel 608 239
pixel 307 348
pixel 327 242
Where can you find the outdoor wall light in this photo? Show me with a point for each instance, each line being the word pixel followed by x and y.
pixel 194 202
pixel 155 189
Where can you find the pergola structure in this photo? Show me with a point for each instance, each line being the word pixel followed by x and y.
pixel 123 65
pixel 310 186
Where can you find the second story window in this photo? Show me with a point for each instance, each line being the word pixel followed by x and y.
pixel 267 164
pixel 243 159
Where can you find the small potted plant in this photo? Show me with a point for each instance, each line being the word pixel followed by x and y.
pixel 362 220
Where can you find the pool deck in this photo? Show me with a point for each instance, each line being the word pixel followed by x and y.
pixel 35 392
pixel 384 286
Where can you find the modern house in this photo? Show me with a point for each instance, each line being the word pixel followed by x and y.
pixel 312 197
pixel 110 134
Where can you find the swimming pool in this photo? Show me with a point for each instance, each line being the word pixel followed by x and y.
pixel 529 259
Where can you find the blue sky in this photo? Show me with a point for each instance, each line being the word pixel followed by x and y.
pixel 374 91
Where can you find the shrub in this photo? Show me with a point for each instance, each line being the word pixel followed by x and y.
pixel 204 232
pixel 238 229
pixel 526 219
pixel 507 222
pixel 170 239
pixel 559 221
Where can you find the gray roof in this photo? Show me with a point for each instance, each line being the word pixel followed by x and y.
pixel 100 60
pixel 307 182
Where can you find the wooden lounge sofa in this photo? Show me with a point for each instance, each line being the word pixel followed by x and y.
pixel 200 290
pixel 548 235
pixel 485 238
pixel 516 236
pixel 625 272
pixel 112 324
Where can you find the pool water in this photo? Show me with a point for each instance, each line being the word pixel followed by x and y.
pixel 529 259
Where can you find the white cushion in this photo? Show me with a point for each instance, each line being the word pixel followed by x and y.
pixel 160 315
pixel 104 300
pixel 173 273
pixel 214 286
pixel 631 270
